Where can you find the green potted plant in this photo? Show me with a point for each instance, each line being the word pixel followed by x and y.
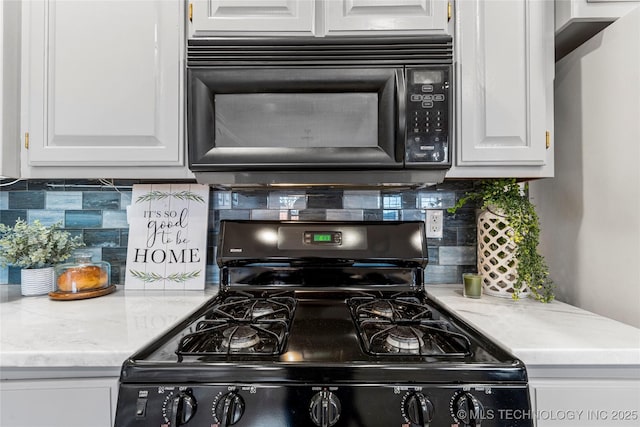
pixel 508 238
pixel 35 248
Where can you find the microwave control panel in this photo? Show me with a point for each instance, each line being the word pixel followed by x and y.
pixel 428 108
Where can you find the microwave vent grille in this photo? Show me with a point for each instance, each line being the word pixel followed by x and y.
pixel 271 52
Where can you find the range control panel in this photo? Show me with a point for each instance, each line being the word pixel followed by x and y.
pixel 428 110
pixel 336 405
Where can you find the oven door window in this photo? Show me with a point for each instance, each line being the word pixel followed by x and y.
pixel 294 118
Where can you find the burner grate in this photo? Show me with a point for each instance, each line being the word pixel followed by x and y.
pixel 403 325
pixel 241 325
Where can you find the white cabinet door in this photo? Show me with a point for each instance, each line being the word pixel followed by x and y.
pixel 58 403
pixel 9 88
pixel 395 16
pixel 570 11
pixel 232 17
pixel 584 402
pixel 504 83
pixel 102 83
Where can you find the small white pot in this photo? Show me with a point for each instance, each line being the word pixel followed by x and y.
pixel 36 281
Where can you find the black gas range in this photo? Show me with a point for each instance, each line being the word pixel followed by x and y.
pixel 322 324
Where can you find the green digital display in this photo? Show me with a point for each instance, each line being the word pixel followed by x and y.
pixel 322 238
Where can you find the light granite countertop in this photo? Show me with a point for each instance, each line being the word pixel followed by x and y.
pixel 36 332
pixel 71 336
pixel 552 334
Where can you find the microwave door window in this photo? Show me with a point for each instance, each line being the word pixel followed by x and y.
pixel 311 120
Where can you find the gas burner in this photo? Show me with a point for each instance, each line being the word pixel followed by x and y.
pixel 240 337
pixel 398 308
pixel 404 338
pixel 262 309
pixel 242 308
pixel 382 309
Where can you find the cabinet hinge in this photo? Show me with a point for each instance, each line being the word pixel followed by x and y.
pixel 548 144
pixel 26 140
pixel 190 12
pixel 449 11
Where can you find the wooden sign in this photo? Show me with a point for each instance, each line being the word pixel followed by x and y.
pixel 167 236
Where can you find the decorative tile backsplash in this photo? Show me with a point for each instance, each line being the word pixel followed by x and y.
pixel 98 213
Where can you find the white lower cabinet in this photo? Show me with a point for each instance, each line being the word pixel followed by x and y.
pixel 585 402
pixel 86 402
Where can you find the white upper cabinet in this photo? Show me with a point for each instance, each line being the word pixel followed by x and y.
pixel 505 69
pixel 398 16
pixel 576 21
pixel 233 17
pixel 102 88
pixel 9 89
pixel 316 18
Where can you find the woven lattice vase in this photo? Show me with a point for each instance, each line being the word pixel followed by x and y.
pixel 496 255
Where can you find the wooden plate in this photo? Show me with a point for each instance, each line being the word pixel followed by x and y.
pixel 70 296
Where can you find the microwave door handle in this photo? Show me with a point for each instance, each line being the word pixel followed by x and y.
pixel 401 108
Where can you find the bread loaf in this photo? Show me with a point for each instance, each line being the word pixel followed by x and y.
pixel 82 278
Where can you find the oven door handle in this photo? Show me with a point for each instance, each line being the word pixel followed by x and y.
pixel 401 119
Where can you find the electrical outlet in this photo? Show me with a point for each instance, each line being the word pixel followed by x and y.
pixel 434 223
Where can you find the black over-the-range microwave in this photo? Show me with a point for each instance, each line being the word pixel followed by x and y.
pixel 357 111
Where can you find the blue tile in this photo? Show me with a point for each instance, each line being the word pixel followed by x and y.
pixel 269 214
pixel 372 214
pixel 312 215
pixel 413 215
pixel 125 199
pixel 392 201
pixel 63 200
pixel 467 236
pixel 221 200
pixel 114 256
pixel 457 255
pixel 46 217
pixel 390 215
pixel 14 275
pixel 9 217
pixel 105 238
pixel 100 200
pixel 462 218
pixel 287 200
pixel 442 274
pixel 356 199
pixel 449 238
pixel 26 200
pixel 328 200
pixel 436 200
pixel 235 214
pixel 433 254
pixel 4 200
pixel 83 219
pixel 124 237
pixel 114 219
pixel 4 275
pixel 249 201
pixel 345 214
pixel 409 199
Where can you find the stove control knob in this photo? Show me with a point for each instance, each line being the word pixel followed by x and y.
pixel 468 410
pixel 182 407
pixel 418 409
pixel 229 409
pixel 324 409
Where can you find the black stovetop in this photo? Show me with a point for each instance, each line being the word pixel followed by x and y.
pixel 324 343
